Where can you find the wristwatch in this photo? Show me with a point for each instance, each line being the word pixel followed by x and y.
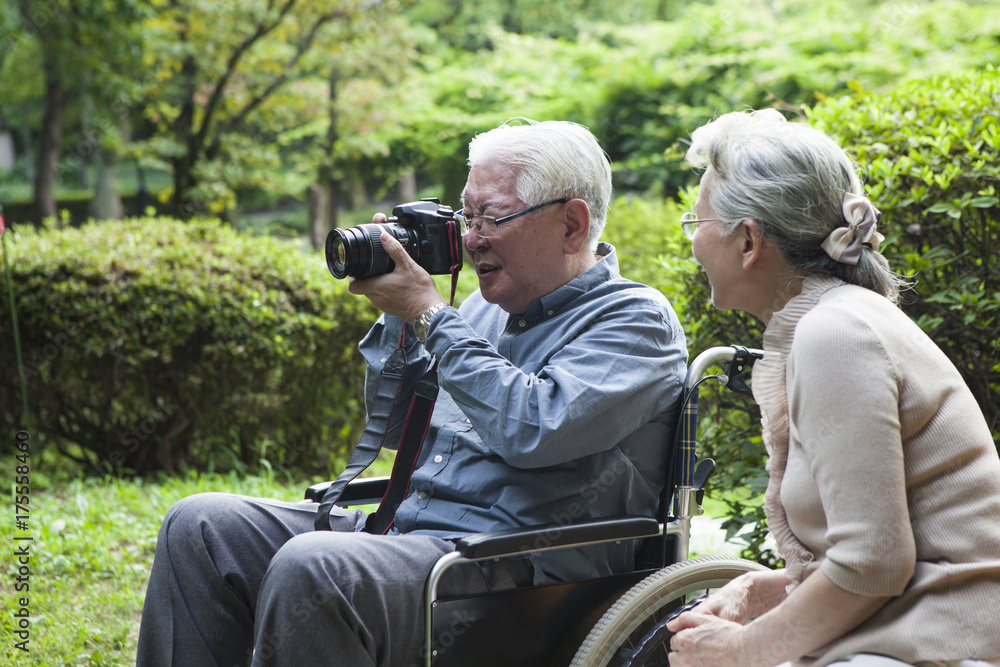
pixel 423 322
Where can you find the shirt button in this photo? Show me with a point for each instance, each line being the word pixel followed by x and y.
pixel 422 495
pixel 438 458
pixel 522 323
pixel 551 313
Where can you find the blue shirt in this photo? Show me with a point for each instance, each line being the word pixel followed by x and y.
pixel 561 414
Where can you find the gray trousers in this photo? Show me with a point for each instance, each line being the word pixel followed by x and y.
pixel 240 581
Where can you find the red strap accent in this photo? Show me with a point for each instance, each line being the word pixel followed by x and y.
pixel 456 251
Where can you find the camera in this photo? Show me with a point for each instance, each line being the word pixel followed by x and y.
pixel 428 231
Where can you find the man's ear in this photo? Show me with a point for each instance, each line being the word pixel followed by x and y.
pixel 576 221
pixel 752 243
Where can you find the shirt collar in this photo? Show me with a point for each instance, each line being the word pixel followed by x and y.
pixel 554 302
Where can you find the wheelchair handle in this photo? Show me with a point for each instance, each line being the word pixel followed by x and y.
pixel 736 358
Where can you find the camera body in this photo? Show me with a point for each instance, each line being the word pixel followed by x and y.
pixel 426 229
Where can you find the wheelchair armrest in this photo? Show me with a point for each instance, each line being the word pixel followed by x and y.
pixel 367 491
pixel 513 541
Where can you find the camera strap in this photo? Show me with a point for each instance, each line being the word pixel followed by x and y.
pixel 455 240
pixel 385 406
pixel 418 419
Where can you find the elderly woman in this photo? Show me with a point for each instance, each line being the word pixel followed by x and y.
pixel 884 492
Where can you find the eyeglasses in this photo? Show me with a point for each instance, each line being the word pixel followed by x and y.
pixel 486 225
pixel 690 222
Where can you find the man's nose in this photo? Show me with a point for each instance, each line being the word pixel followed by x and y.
pixel 473 241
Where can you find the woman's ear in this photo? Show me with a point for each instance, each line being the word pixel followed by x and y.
pixel 752 248
pixel 576 221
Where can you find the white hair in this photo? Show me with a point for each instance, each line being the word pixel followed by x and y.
pixel 552 160
pixel 791 179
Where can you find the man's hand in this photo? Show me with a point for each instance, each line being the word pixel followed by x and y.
pixel 407 291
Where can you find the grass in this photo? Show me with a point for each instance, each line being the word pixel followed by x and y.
pixel 91 555
pixel 90 561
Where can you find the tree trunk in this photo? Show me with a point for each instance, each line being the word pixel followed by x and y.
pixel 357 192
pixel 49 145
pixel 317 215
pixel 7 154
pixel 326 183
pixel 332 202
pixel 324 203
pixel 107 204
pixel 29 148
pixel 141 195
pixel 183 205
pixel 663 10
pixel 84 149
pixel 407 187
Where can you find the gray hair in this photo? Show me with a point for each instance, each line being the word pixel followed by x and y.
pixel 552 160
pixel 790 178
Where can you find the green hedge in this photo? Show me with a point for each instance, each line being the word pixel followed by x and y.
pixel 930 152
pixel 156 345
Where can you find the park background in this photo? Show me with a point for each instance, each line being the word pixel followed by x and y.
pixel 167 169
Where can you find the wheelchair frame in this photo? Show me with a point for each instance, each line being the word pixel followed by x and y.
pixel 636 596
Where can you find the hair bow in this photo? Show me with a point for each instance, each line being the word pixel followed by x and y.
pixel 844 243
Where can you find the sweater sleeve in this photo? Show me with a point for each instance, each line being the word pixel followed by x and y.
pixel 843 392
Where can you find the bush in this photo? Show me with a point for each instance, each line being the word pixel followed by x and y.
pixel 931 152
pixel 729 424
pixel 652 250
pixel 150 344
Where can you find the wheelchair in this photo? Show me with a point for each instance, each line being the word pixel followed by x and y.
pixel 617 620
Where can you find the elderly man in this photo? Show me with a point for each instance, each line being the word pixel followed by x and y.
pixel 558 389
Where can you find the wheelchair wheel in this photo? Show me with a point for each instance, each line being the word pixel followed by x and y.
pixel 630 633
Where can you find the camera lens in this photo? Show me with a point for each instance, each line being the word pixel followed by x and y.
pixel 336 254
pixel 358 251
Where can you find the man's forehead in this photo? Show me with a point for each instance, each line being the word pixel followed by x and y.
pixel 489 184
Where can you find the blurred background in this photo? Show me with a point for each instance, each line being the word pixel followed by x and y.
pixel 169 171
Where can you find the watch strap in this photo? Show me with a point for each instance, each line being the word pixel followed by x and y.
pixel 423 322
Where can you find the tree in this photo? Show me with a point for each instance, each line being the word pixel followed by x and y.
pixel 363 95
pixel 56 32
pixel 87 51
pixel 212 85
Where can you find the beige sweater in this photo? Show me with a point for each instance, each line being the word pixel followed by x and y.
pixel 892 480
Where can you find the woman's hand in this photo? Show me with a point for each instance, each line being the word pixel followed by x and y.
pixel 731 602
pixel 747 596
pixel 711 634
pixel 705 640
pixel 815 613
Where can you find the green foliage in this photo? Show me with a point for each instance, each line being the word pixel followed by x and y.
pixel 249 106
pixel 663 79
pixel 151 345
pixel 654 251
pixel 931 155
pixel 930 151
pixel 643 85
pixel 651 247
